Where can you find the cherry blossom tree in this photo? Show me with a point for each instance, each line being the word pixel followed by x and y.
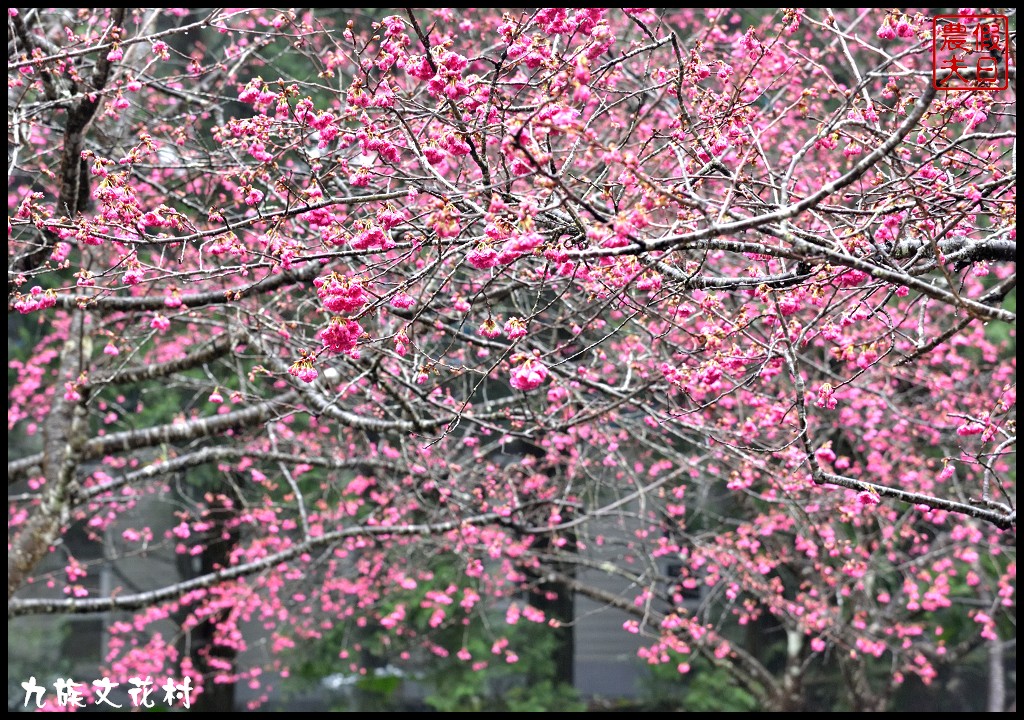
pixel 720 306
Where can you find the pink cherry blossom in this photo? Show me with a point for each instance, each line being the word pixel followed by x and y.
pixel 529 375
pixel 709 310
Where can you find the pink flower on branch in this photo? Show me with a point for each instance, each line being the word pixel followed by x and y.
pixel 529 375
pixel 253 197
pixel 303 369
pixel 341 294
pixel 659 229
pixel 340 335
